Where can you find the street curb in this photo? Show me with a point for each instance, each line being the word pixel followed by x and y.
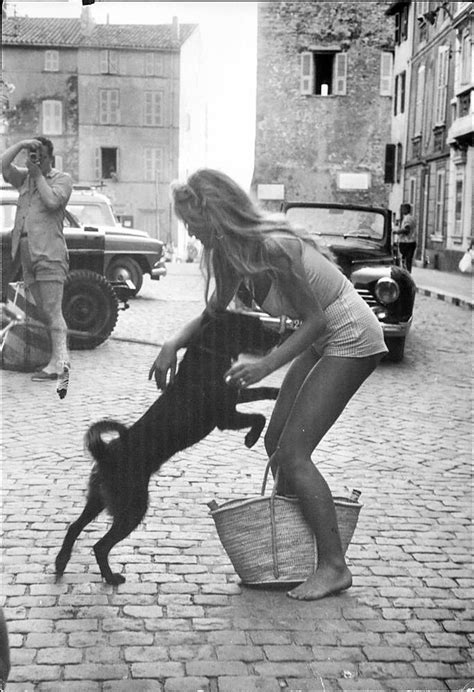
pixel 446 297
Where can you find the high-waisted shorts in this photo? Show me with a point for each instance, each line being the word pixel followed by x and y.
pixel 353 331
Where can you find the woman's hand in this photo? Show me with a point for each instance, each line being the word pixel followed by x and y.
pixel 164 363
pixel 242 374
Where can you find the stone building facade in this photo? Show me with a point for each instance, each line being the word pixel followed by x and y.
pixel 108 97
pixel 434 141
pixel 324 98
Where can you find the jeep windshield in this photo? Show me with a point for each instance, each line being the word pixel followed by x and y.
pixel 92 214
pixel 338 222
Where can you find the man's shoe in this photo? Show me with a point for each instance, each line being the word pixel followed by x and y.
pixel 43 376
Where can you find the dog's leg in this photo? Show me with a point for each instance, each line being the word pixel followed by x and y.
pixel 257 394
pixel 120 529
pixel 94 506
pixel 238 420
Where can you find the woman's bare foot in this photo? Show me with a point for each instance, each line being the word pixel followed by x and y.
pixel 326 581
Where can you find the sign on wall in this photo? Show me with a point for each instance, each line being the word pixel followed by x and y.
pixel 271 191
pixel 353 181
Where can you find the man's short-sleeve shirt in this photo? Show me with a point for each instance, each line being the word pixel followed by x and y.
pixel 42 225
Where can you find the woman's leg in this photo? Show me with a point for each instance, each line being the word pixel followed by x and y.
pixel 320 400
pixel 294 378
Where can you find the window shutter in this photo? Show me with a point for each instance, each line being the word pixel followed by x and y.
pixel 97 166
pixel 306 73
pixel 389 174
pixel 402 91
pixel 114 107
pixel 47 117
pixel 386 62
pixel 420 92
pixel 395 96
pixel 58 162
pixel 340 74
pixel 149 64
pixel 104 61
pixel 442 83
pixel 113 62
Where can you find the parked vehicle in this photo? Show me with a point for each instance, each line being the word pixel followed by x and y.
pixel 91 303
pixel 360 240
pixel 130 253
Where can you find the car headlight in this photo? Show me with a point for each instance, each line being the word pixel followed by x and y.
pixel 386 290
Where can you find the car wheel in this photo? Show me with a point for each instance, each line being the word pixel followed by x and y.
pixel 126 268
pixel 396 348
pixel 90 308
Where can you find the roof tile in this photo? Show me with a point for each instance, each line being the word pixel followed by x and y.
pixel 60 32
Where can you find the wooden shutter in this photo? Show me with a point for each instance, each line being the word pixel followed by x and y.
pixel 390 154
pixel 386 62
pixel 403 77
pixel 307 73
pixel 420 92
pixel 52 117
pixel 113 62
pixel 340 74
pixel 104 61
pixel 442 83
pixel 114 106
pixel 97 164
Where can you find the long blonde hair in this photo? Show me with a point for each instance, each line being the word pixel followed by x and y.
pixel 212 202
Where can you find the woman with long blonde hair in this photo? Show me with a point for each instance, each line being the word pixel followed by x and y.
pixel 336 347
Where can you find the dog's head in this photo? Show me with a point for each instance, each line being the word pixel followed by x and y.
pixel 235 332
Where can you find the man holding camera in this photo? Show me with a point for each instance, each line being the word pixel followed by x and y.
pixel 38 240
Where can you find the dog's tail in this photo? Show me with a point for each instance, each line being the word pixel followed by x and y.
pixel 99 436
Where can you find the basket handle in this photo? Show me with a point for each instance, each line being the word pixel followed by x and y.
pixel 265 478
pixel 276 570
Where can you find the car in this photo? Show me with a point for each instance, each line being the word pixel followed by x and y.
pixel 130 253
pixel 360 239
pixel 91 302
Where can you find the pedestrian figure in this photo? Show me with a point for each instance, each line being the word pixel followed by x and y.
pixel 38 242
pixel 337 346
pixel 407 235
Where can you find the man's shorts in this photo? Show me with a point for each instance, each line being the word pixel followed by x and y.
pixel 41 270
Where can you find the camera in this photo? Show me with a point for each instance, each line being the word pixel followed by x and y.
pixel 34 158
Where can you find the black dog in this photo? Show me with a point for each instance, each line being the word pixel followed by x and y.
pixel 189 409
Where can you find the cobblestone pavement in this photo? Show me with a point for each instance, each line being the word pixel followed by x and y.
pixel 182 622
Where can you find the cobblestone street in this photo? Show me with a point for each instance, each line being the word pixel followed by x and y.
pixel 182 622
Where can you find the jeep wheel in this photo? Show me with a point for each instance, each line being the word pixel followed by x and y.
pixel 90 308
pixel 124 268
pixel 396 348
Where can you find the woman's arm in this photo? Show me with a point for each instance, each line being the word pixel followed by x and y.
pixel 294 287
pixel 166 361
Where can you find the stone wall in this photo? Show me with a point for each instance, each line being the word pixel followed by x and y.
pixel 304 141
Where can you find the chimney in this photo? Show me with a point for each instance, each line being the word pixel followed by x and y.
pixel 175 29
pixel 87 23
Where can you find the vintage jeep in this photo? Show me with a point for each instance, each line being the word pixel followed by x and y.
pixel 91 302
pixel 360 240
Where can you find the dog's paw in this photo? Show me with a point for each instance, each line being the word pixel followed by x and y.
pixel 251 438
pixel 115 579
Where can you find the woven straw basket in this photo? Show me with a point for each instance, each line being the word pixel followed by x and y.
pixel 267 539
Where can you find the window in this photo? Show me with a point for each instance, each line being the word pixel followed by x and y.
pixel 153 64
pixel 109 62
pixel 323 73
pixel 401 25
pixel 51 61
pixel 153 108
pixel 440 197
pixel 386 62
pixel 109 107
pixel 52 117
pixel 106 163
pixel 153 163
pixel 458 205
pixel 420 92
pixel 399 93
pixel 399 162
pixel 442 83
